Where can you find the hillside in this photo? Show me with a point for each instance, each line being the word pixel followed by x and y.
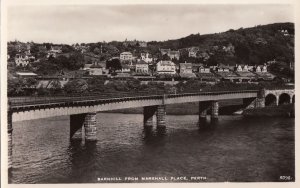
pixel 255 45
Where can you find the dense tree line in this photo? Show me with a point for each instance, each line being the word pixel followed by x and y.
pixel 28 87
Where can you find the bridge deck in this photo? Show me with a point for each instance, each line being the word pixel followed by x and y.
pixel 19 102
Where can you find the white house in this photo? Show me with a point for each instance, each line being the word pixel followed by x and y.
pixel 56 49
pixel 186 68
pixel 261 68
pixel 165 67
pixel 142 67
pixel 193 51
pixel 203 69
pixel 126 56
pixel 21 60
pixel 97 70
pixel 146 57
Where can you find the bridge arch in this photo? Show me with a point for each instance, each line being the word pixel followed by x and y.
pixel 270 100
pixel 284 98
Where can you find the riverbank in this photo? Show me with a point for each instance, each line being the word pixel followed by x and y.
pixel 287 110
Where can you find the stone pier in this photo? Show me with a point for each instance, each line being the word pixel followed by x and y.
pixel 10 141
pixel 260 100
pixel 83 127
pixel 161 116
pixel 214 110
pixel 203 108
pixel 149 112
pixel 90 127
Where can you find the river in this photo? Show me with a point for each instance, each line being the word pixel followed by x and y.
pixel 234 149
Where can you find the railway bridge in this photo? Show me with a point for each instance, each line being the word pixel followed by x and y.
pixel 82 110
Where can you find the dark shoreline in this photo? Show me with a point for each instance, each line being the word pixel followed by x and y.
pixel 286 110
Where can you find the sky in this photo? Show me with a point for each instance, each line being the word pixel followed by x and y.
pixel 95 23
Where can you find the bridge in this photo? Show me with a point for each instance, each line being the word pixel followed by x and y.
pixel 82 109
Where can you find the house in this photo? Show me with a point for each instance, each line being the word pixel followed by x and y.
pixel 51 54
pixel 126 56
pixel 242 68
pixel 285 32
pixel 229 48
pixel 21 60
pixel 164 51
pixel 174 55
pixel 142 67
pixel 125 69
pixel 97 70
pixel 196 66
pixel 271 62
pixel 56 49
pixel 186 68
pixel 223 68
pixel 203 55
pixel 147 57
pixel 261 68
pixel 165 67
pixel 204 69
pixel 142 44
pixel 193 51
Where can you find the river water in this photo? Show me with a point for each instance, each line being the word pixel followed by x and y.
pixel 233 149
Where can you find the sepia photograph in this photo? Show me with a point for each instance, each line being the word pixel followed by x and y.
pixel 134 92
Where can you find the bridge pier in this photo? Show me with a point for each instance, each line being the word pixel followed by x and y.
pixel 161 115
pixel 10 139
pixel 83 127
pixel 203 107
pixel 90 127
pixel 149 112
pixel 214 110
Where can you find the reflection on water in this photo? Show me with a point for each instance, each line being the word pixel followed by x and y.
pixel 232 148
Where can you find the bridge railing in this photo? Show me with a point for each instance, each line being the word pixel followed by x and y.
pixel 21 101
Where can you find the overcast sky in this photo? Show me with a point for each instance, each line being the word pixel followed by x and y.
pixel 94 23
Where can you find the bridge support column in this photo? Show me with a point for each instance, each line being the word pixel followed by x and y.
pixel 90 127
pixel 261 99
pixel 10 139
pixel 161 116
pixel 203 107
pixel 83 127
pixel 149 112
pixel 215 110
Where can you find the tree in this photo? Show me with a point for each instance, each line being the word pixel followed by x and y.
pixel 15 87
pixel 56 87
pixel 96 85
pixel 165 57
pixel 97 51
pixel 76 86
pixel 113 64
